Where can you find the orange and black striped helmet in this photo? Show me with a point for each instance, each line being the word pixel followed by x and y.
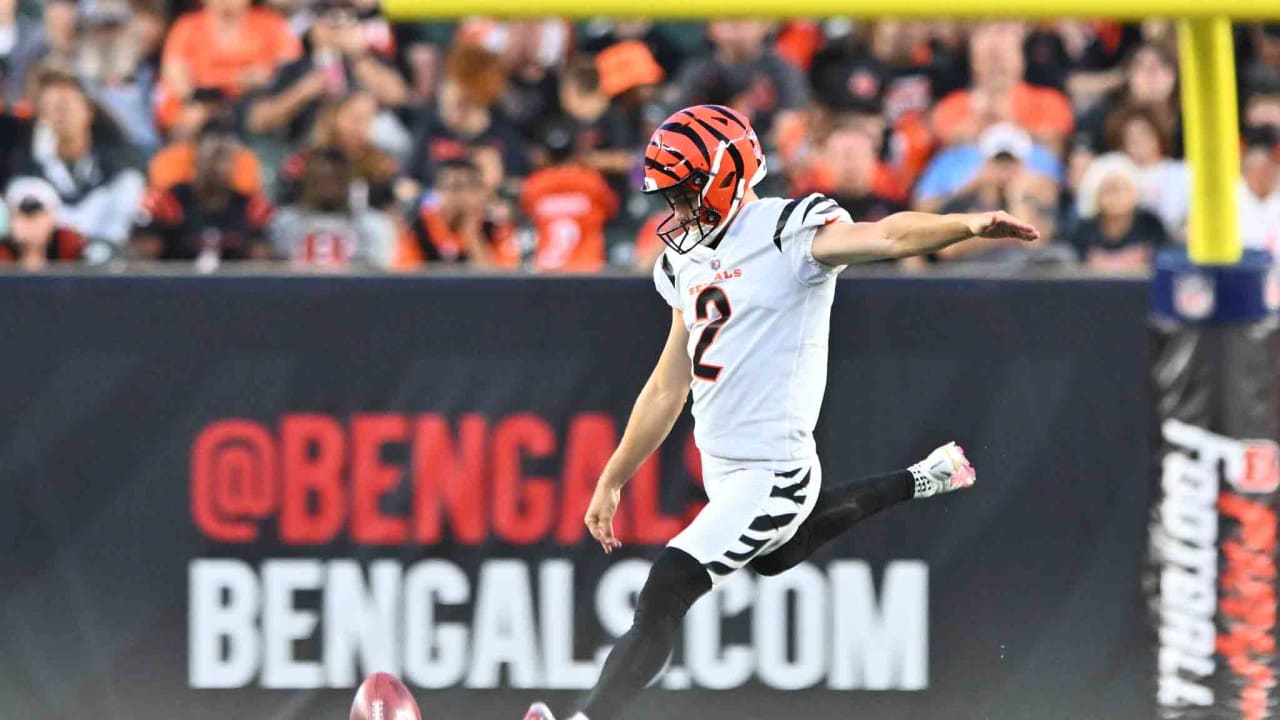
pixel 703 159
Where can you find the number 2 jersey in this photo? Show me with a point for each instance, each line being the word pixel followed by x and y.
pixel 758 310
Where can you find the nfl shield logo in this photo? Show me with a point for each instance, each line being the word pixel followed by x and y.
pixel 1193 296
pixel 715 263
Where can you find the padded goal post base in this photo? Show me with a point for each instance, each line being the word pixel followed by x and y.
pixel 1211 580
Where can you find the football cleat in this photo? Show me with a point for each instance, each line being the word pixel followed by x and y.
pixel 944 470
pixel 539 711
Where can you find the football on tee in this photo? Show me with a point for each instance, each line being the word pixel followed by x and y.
pixel 383 697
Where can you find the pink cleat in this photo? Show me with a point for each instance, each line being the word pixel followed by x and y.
pixel 945 470
pixel 539 711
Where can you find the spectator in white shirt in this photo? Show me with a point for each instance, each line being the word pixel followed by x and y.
pixel 1260 193
pixel 1140 133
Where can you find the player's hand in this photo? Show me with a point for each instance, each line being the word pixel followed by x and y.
pixel 604 503
pixel 1001 225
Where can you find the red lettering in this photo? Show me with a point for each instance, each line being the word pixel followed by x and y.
pixel 1248 599
pixel 312 456
pixel 451 478
pixel 651 526
pixel 233 480
pixel 523 509
pixel 591 440
pixel 371 479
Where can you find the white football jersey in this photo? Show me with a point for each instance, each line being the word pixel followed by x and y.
pixel 758 309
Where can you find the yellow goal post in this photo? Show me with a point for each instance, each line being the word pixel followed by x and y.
pixel 1206 60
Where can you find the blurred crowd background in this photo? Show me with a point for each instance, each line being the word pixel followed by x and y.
pixel 316 133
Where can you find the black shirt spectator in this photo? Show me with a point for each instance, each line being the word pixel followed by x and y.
pixel 1114 230
pixel 743 74
pixel 881 73
pixel 1093 240
pixel 464 122
pixel 1151 81
pixel 182 224
pixel 340 62
pixel 205 219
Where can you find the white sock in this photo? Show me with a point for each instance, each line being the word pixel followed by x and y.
pixel 579 716
pixel 924 484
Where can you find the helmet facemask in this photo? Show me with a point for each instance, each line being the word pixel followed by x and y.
pixel 691 223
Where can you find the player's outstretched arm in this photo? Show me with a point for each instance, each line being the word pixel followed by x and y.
pixel 655 412
pixel 907 234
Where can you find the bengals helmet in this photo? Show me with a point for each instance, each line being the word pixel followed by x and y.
pixel 702 159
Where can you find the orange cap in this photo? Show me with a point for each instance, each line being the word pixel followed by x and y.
pixel 627 65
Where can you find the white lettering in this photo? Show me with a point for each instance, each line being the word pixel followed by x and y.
pixel 503 629
pixel 885 645
pixel 770 624
pixel 283 623
pixel 213 620
pixel 555 605
pixel 360 620
pixel 435 653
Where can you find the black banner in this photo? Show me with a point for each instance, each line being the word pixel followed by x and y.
pixel 233 497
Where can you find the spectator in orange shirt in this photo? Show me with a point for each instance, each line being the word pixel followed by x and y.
pixel 569 204
pixel 1000 94
pixel 204 219
pixel 222 51
pixel 175 164
pixel 452 224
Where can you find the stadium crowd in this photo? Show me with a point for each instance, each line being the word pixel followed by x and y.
pixel 318 133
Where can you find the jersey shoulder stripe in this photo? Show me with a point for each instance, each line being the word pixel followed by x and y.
pixel 789 208
pixel 818 210
pixel 669 271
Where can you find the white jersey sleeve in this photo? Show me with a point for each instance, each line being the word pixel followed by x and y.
pixel 664 277
pixel 798 224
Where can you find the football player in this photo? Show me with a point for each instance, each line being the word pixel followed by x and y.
pixel 750 282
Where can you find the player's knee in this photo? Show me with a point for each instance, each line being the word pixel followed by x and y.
pixel 675 581
pixel 772 564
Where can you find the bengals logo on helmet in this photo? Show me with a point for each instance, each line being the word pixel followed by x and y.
pixel 702 159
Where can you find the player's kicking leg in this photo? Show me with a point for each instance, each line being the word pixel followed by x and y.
pixel 840 507
pixel 770 520
pixel 753 507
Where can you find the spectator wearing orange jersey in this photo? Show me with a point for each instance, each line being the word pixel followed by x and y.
pixel 222 51
pixel 204 219
pixel 569 204
pixel 175 164
pixel 452 225
pixel 1000 94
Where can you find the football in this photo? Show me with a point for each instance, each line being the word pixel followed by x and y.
pixel 383 697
